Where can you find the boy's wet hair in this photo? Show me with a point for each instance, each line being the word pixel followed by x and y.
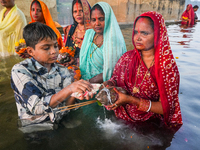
pixel 35 32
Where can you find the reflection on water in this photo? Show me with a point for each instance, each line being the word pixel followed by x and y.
pixel 92 127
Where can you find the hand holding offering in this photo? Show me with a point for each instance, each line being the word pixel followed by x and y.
pixel 92 92
pixel 108 96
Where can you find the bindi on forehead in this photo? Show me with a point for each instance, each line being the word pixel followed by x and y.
pixel 140 21
pixel 77 5
pixel 96 13
pixel 35 7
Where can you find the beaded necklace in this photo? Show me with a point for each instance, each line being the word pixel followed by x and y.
pixel 77 40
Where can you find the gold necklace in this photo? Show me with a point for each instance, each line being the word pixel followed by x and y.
pixel 77 40
pixel 137 89
pixel 97 45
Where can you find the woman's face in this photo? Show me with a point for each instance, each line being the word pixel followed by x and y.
pixel 97 21
pixel 78 13
pixel 143 35
pixel 36 13
pixel 188 7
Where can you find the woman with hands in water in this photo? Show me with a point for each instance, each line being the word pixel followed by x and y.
pixel 149 74
pixel 102 46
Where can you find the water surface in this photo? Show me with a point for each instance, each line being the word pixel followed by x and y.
pixel 92 127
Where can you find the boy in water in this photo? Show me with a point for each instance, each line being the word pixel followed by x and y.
pixel 195 8
pixel 39 83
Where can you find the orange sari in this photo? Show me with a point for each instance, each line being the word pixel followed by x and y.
pixel 48 20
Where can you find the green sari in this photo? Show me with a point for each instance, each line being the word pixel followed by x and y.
pixel 103 59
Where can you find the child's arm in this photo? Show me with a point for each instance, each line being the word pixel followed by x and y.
pixel 34 97
pixel 79 86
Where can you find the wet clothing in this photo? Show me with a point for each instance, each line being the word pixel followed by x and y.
pixel 195 17
pixel 188 15
pixel 94 61
pixel 33 88
pixel 162 81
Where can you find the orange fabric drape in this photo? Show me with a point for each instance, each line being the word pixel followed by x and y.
pixel 48 20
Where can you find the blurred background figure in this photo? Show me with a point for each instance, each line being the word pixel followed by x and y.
pixel 40 13
pixel 188 16
pixel 195 8
pixel 12 22
pixel 74 34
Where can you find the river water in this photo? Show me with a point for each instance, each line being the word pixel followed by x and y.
pixel 93 128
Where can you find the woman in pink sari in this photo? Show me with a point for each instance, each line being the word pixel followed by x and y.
pixel 149 74
pixel 188 16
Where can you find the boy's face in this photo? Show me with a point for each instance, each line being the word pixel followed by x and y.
pixel 195 9
pixel 45 52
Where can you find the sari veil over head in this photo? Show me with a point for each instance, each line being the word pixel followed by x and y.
pixel 163 83
pixel 48 20
pixel 70 30
pixel 112 49
pixel 189 14
pixel 86 14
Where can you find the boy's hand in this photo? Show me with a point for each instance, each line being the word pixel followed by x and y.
pixel 80 86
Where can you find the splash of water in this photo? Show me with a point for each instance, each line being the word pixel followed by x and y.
pixel 109 128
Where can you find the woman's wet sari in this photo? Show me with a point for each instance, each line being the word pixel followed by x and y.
pixel 162 82
pixel 103 59
pixel 188 15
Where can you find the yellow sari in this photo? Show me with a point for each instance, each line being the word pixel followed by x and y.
pixel 11 29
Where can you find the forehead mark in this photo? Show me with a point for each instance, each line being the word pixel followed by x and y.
pixel 35 7
pixel 96 12
pixel 140 20
pixel 77 5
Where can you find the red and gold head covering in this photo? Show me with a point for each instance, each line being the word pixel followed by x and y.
pixel 86 14
pixel 48 20
pixel 166 70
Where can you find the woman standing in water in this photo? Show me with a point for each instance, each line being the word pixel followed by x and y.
pixel 149 74
pixel 102 46
pixel 74 33
pixel 188 16
pixel 40 13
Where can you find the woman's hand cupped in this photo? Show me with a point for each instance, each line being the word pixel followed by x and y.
pixel 122 99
